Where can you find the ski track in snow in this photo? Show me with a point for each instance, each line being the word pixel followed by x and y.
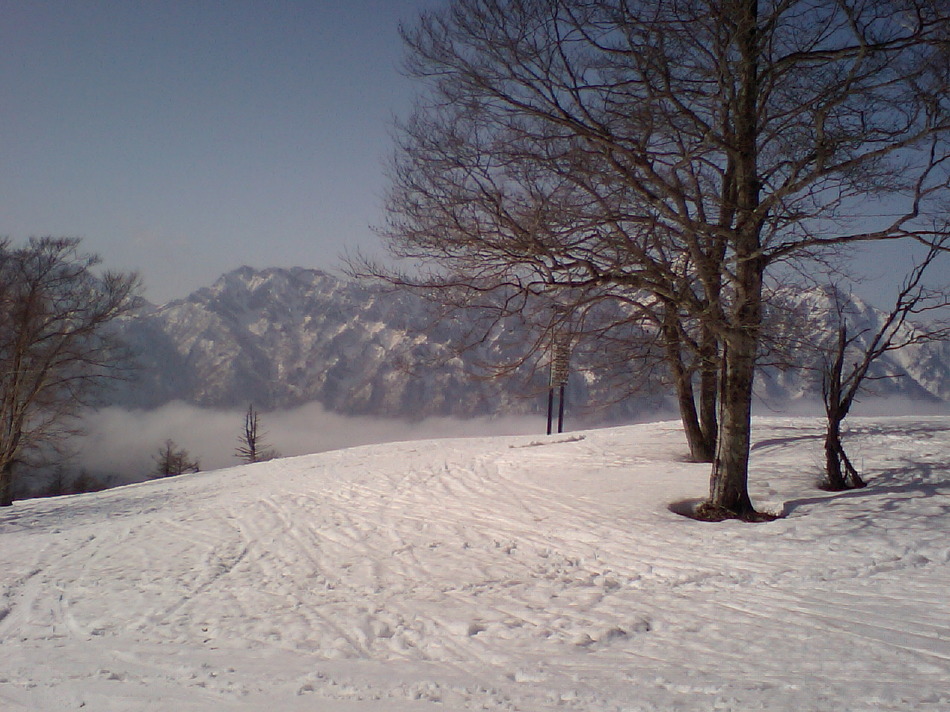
pixel 491 574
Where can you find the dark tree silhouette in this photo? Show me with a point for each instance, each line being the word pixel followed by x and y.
pixel 172 460
pixel 849 355
pixel 251 446
pixel 56 347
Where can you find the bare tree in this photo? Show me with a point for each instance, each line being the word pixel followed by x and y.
pixel 172 460
pixel 677 149
pixel 251 446
pixel 56 347
pixel 848 357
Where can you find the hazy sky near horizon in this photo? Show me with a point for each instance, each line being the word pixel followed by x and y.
pixel 185 138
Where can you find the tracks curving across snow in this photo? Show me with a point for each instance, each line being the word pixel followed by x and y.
pixel 490 574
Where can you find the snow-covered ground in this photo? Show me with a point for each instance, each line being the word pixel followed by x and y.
pixel 520 573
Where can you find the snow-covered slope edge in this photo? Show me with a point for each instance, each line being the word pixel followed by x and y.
pixel 504 574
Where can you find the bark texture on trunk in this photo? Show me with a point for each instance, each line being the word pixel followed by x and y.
pixel 729 481
pixel 709 390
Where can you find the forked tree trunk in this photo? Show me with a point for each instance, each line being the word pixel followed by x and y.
pixel 833 476
pixel 701 447
pixel 840 473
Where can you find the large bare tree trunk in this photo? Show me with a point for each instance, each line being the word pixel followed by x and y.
pixel 729 481
pixel 728 485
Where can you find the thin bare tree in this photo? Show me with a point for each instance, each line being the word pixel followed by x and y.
pixel 251 446
pixel 56 344
pixel 848 356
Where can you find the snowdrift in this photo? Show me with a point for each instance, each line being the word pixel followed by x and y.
pixel 519 573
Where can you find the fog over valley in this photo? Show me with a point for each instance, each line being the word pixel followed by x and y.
pixel 122 443
pixel 329 363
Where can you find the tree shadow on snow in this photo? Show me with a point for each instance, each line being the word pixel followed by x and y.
pixel 889 489
pixel 782 442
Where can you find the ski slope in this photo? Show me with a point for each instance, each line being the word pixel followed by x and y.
pixel 520 573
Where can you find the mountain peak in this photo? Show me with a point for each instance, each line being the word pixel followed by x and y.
pixel 281 337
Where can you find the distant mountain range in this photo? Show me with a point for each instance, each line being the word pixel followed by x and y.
pixel 283 337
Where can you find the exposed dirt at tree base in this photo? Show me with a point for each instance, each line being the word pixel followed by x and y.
pixel 706 512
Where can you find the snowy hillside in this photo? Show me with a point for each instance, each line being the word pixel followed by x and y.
pixel 284 337
pixel 530 574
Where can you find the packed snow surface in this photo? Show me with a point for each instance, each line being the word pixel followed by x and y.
pixel 517 573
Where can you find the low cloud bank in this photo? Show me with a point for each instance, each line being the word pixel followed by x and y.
pixel 124 442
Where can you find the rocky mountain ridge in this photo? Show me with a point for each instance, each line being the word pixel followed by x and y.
pixel 283 337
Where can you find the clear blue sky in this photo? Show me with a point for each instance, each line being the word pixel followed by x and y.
pixel 184 138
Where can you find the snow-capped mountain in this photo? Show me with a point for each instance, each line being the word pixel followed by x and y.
pixel 918 372
pixel 283 337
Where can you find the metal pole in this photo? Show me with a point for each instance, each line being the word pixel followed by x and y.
pixel 550 407
pixel 560 410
